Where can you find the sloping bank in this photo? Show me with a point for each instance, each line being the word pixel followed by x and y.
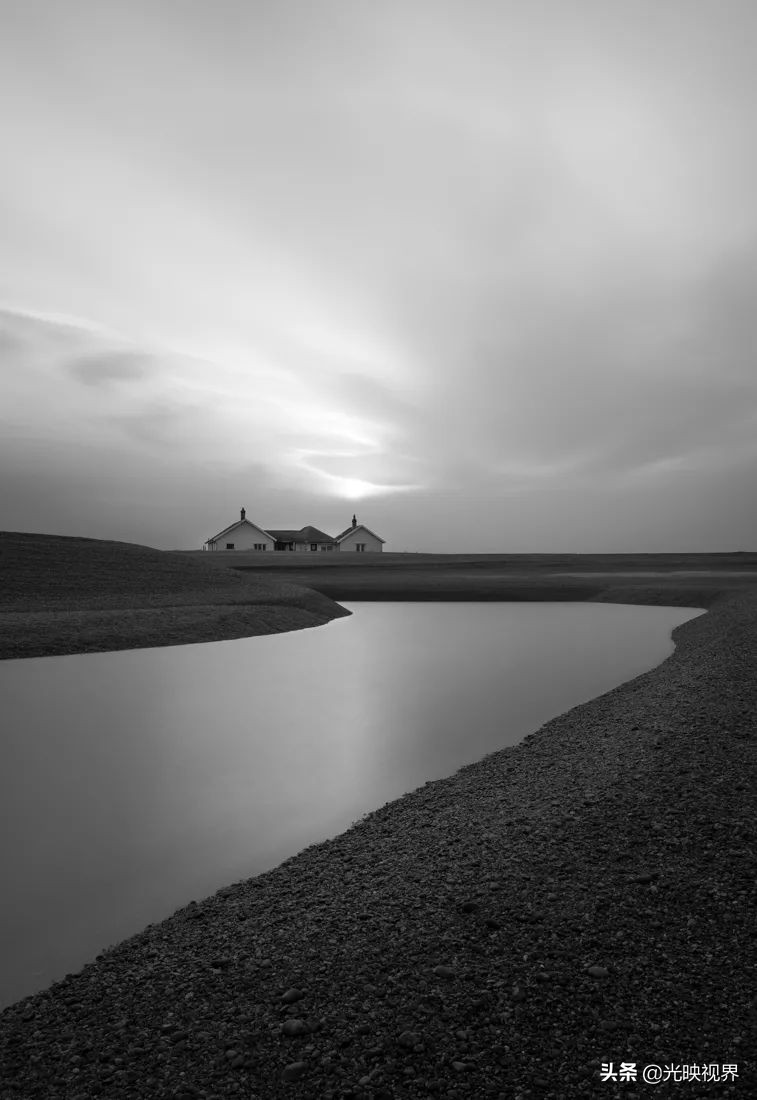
pixel 585 897
pixel 77 595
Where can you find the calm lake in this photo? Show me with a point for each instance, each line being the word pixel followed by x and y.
pixel 133 782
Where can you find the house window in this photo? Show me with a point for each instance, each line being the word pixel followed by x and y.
pixel 313 545
pixel 360 546
pixel 229 545
pixel 259 546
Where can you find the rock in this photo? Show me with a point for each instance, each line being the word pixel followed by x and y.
pixel 295 1027
pixel 444 971
pixel 293 1072
pixel 291 996
pixel 410 1039
pixel 597 971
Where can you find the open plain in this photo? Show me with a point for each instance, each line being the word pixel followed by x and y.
pixel 673 579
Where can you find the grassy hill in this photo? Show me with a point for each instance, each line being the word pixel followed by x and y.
pixel 72 595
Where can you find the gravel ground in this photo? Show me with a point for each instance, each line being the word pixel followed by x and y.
pixel 585 897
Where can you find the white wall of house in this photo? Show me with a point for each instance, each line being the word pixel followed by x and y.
pixel 360 537
pixel 245 536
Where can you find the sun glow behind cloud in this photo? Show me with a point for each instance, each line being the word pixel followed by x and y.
pixel 410 253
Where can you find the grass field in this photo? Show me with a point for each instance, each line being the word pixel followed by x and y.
pixel 73 595
pixel 681 579
pixel 526 563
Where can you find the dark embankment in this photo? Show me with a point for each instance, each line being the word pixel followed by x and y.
pixel 585 897
pixel 76 595
pixel 684 580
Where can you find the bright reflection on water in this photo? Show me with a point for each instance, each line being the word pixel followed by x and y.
pixel 132 782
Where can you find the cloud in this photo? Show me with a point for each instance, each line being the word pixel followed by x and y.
pixel 417 255
pixel 101 368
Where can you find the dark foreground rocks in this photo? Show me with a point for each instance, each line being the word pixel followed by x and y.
pixel 584 898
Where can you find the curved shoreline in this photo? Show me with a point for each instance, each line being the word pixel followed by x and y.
pixel 65 595
pixel 108 630
pixel 441 946
pixel 63 629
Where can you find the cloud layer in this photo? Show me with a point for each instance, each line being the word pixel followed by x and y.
pixel 482 271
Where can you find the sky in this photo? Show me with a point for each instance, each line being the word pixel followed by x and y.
pixel 482 272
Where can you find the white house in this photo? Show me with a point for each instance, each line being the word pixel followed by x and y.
pixel 244 535
pixel 360 538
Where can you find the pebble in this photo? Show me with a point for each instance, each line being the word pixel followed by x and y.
pixel 294 1071
pixel 410 1039
pixel 291 996
pixel 295 1027
pixel 444 971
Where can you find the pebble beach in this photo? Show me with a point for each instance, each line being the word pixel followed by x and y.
pixel 584 898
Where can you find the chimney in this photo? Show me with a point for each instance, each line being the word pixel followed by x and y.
pixel 354 521
pixel 243 514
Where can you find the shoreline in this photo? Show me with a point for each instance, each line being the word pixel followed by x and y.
pixel 64 595
pixel 58 633
pixel 60 630
pixel 441 946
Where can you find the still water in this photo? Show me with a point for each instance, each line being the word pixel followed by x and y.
pixel 133 782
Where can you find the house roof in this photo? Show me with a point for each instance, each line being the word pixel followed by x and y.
pixel 234 526
pixel 312 534
pixel 359 527
pixel 305 534
pixel 281 535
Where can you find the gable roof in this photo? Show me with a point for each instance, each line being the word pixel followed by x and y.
pixel 312 534
pixel 359 527
pixel 305 534
pixel 239 523
pixel 282 535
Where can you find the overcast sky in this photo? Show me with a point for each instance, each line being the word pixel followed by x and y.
pixel 482 272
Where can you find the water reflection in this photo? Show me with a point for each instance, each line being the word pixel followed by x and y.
pixel 135 781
